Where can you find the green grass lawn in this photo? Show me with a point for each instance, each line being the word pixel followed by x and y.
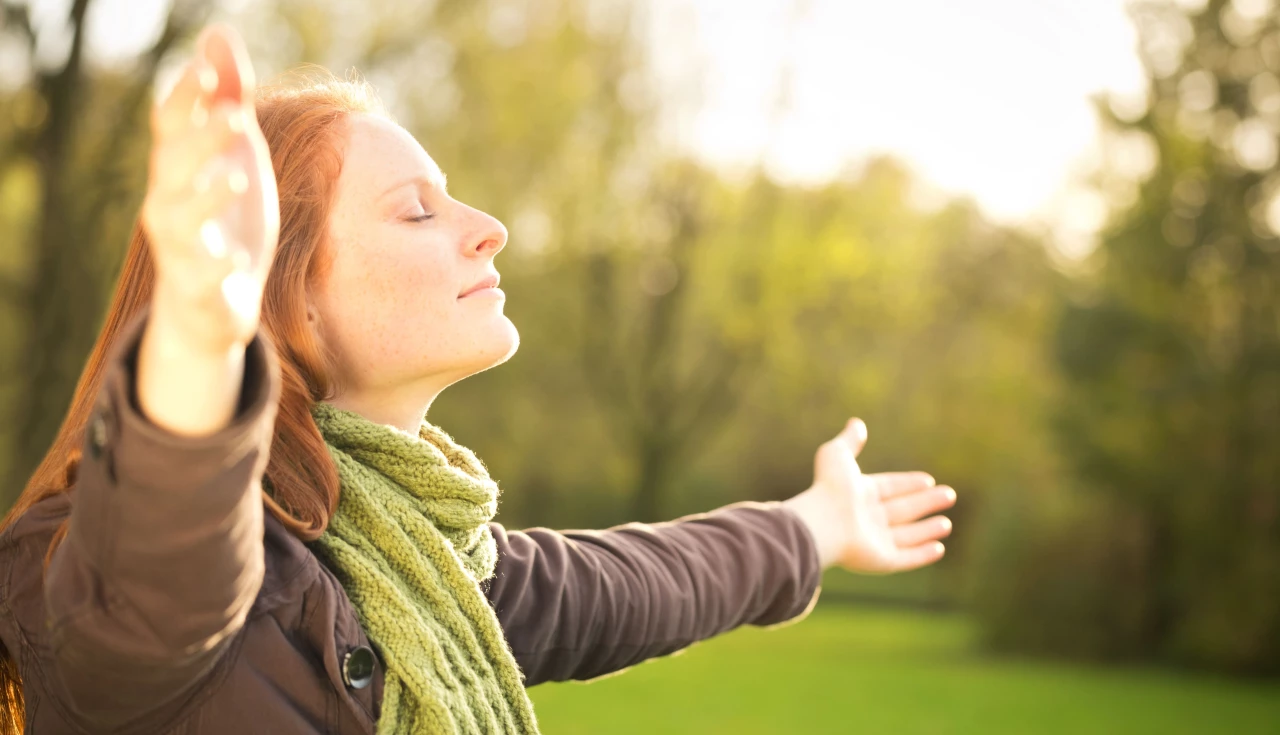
pixel 864 670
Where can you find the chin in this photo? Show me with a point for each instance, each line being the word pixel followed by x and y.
pixel 503 344
pixel 511 340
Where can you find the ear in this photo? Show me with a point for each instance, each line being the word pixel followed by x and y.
pixel 313 318
pixel 314 325
pixel 313 314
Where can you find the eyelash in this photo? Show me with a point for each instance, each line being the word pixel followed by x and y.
pixel 422 217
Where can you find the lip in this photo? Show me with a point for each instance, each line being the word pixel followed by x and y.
pixel 490 291
pixel 487 284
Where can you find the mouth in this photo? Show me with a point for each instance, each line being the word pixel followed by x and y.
pixel 488 284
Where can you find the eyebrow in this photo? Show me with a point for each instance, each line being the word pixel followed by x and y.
pixel 437 178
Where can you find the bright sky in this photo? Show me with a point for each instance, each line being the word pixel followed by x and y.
pixel 988 98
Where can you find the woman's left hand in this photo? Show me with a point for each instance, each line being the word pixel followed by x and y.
pixel 871 523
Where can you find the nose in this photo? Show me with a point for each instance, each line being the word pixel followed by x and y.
pixel 489 237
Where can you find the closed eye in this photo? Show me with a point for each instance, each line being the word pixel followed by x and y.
pixel 422 217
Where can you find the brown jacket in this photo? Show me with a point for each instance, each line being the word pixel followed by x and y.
pixel 177 605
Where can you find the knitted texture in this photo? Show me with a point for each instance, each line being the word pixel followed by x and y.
pixel 410 544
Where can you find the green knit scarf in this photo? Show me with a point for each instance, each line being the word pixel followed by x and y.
pixel 410 544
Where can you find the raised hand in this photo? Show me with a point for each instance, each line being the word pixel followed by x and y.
pixel 211 212
pixel 871 523
pixel 212 218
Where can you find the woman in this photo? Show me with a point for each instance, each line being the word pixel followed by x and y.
pixel 298 291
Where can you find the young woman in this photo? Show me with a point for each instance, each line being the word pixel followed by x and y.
pixel 246 523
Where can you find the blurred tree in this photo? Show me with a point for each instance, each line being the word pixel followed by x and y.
pixel 1172 352
pixel 667 375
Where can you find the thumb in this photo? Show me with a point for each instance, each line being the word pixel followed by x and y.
pixel 837 459
pixel 855 435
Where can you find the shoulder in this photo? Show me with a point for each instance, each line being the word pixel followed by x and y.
pixel 23 547
pixel 40 520
pixel 25 542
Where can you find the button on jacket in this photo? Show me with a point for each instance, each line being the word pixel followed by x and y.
pixel 176 604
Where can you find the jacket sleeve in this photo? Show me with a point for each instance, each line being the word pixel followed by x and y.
pixel 163 555
pixel 581 604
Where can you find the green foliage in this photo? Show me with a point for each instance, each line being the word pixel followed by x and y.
pixel 1171 352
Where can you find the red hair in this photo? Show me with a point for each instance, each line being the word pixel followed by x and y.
pixel 304 128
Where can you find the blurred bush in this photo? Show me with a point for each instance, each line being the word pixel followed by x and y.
pixel 1072 581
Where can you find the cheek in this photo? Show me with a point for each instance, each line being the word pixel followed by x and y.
pixel 386 302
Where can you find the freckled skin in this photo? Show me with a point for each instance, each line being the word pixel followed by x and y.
pixel 389 308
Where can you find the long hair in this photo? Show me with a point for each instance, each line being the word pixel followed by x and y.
pixel 304 127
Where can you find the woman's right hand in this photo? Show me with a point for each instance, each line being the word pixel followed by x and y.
pixel 211 212
pixel 212 219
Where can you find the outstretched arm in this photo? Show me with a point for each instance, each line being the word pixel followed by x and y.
pixel 580 604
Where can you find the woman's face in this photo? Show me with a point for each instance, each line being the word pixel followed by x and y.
pixel 398 307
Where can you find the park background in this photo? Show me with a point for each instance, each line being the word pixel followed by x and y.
pixel 1033 245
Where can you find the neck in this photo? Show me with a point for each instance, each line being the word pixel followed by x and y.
pixel 403 412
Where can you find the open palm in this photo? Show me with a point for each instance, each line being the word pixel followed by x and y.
pixel 876 518
pixel 212 212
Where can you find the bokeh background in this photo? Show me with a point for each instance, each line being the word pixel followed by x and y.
pixel 1033 244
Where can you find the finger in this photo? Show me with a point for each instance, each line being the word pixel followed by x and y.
pixel 175 163
pixel 855 435
pixel 893 484
pixel 907 508
pixel 914 534
pixel 223 48
pixel 186 104
pixel 919 556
